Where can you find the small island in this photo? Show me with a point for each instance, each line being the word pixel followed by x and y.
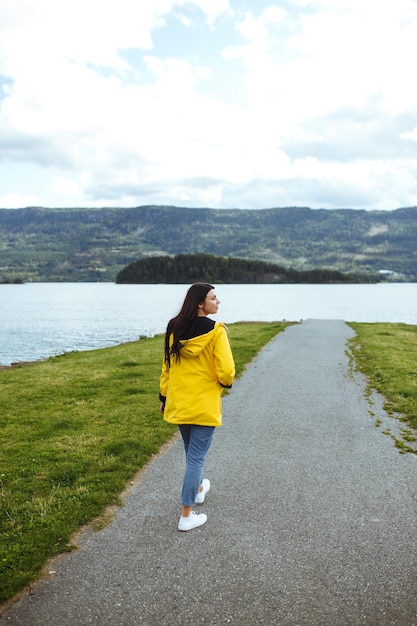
pixel 189 268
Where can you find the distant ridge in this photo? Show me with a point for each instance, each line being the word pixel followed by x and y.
pixel 88 244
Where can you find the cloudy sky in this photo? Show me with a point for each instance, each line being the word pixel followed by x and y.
pixel 214 103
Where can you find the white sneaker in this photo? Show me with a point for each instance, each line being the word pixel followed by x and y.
pixel 194 520
pixel 199 499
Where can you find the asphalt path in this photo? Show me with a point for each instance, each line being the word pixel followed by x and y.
pixel 311 516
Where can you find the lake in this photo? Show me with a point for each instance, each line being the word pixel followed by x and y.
pixel 39 320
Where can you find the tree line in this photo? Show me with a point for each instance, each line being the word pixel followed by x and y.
pixel 189 268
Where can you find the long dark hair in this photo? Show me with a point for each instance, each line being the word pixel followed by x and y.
pixel 179 324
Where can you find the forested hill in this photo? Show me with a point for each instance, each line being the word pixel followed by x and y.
pixel 95 244
pixel 191 268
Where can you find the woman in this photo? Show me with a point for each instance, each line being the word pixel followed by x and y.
pixel 197 365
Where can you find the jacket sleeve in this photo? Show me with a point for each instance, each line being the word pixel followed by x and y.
pixel 223 357
pixel 163 382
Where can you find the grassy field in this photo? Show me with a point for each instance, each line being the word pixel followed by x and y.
pixel 387 355
pixel 74 430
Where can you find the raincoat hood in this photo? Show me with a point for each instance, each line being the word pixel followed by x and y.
pixel 192 347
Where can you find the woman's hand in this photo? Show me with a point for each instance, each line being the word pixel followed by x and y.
pixel 162 407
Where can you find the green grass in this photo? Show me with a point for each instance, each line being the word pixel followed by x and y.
pixel 386 354
pixel 73 430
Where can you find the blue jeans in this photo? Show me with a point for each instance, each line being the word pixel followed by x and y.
pixel 197 440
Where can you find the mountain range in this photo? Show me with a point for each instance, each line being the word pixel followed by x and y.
pixel 94 244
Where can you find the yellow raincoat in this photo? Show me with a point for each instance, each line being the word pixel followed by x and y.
pixel 193 386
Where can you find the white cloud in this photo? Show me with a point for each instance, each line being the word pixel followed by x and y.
pixel 412 135
pixel 66 187
pixel 195 102
pixel 17 200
